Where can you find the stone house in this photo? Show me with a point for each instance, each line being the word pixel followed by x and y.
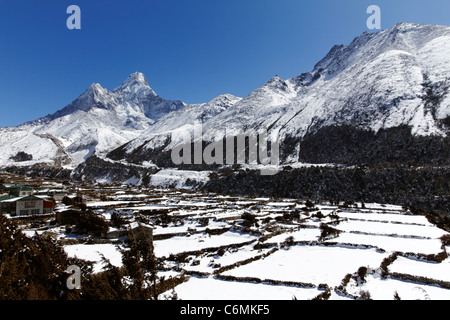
pixel 134 229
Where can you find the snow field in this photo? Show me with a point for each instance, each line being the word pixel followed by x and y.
pixel 310 264
pixel 94 253
pixel 385 288
pixel 216 289
pixel 425 246
pixel 421 268
pixel 179 244
pixel 386 228
pixel 204 237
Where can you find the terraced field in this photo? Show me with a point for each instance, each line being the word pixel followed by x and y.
pixel 227 247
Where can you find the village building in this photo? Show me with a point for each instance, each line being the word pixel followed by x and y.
pixel 19 190
pixel 133 230
pixel 56 194
pixel 26 205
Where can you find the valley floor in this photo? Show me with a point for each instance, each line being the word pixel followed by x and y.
pixel 249 248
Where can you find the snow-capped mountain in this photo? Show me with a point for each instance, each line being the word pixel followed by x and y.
pixel 392 78
pixel 159 135
pixel 380 80
pixel 100 120
pixel 399 76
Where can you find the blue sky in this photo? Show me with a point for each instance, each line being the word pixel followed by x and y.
pixel 189 50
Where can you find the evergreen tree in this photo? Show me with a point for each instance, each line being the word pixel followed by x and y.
pixel 30 268
pixel 141 266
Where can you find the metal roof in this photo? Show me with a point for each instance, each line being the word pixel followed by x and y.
pixel 16 186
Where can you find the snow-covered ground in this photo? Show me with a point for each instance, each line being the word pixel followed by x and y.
pixel 216 289
pixel 178 178
pixel 422 268
pixel 179 244
pixel 95 253
pixel 223 256
pixel 385 289
pixel 310 264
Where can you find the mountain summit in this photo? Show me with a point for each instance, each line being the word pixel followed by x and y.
pixel 135 83
pixel 136 78
pixel 100 120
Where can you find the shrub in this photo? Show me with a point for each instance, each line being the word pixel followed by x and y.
pixel 89 222
pixel 442 222
pixel 267 219
pixel 295 214
pixel 67 201
pixel 349 204
pixel 203 222
pixel 309 204
pixel 346 280
pixel 249 219
pixel 327 232
pixel 445 239
pixel 116 220
pixel 318 215
pixel 289 241
pixel 362 271
pixel 324 295
pixel 365 295
pixel 227 171
pixel 288 216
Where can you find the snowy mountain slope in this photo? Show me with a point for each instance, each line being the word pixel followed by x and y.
pixel 35 148
pixel 380 80
pixel 160 134
pixel 395 77
pixel 100 120
pixel 385 84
